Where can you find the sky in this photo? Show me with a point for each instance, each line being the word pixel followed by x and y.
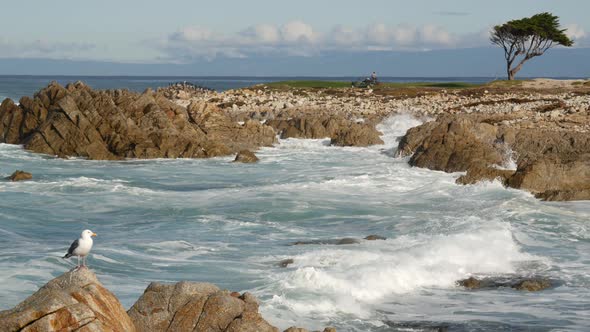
pixel 185 31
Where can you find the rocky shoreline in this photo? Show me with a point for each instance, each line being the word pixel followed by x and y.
pixel 532 139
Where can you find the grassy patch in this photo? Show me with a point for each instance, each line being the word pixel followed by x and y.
pixel 344 84
pixel 506 83
pixel 446 85
pixel 309 84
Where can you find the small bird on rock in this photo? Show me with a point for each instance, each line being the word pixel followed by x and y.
pixel 81 247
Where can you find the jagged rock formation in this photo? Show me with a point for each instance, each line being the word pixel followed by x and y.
pixel 553 157
pixel 79 121
pixel 75 301
pixel 189 306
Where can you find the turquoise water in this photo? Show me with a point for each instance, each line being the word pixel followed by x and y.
pixel 212 220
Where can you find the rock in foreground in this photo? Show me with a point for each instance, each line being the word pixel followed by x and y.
pixel 106 125
pixel 75 301
pixel 189 306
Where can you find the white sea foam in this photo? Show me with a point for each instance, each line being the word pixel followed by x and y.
pixel 349 279
pixel 83 183
pixel 397 125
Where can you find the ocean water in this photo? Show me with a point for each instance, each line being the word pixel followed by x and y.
pixel 230 224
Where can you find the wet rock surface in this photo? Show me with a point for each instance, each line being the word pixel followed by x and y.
pixel 552 158
pixel 20 176
pixel 246 156
pixel 375 237
pixel 522 284
pixel 286 262
pixel 343 241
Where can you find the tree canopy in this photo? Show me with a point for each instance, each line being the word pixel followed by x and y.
pixel 527 38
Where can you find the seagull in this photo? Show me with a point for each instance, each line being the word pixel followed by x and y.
pixel 81 247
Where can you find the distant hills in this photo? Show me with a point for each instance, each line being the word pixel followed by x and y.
pixel 485 62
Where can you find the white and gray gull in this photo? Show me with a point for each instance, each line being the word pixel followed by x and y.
pixel 81 247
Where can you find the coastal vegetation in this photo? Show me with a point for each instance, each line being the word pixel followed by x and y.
pixel 527 38
pixel 382 85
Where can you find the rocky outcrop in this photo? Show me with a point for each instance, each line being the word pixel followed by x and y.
pixel 342 241
pixel 246 156
pixel 184 91
pixel 374 237
pixel 342 131
pixel 189 306
pixel 522 284
pixel 338 242
pixel 532 285
pixel 20 176
pixel 553 158
pixel 75 301
pixel 357 134
pixel 79 121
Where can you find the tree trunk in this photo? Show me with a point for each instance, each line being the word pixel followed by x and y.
pixel 508 70
pixel 512 72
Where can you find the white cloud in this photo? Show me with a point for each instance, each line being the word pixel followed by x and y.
pixel 299 38
pixel 262 33
pixel 193 34
pixel 297 31
pixel 575 32
pixel 431 34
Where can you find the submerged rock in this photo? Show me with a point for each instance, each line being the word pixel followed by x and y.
pixel 477 173
pixel 527 284
pixel 116 124
pixel 74 301
pixel 533 285
pixel 471 283
pixel 375 237
pixel 246 156
pixel 20 176
pixel 286 262
pixel 343 241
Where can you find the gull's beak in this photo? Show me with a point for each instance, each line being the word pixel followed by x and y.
pixel 93 234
